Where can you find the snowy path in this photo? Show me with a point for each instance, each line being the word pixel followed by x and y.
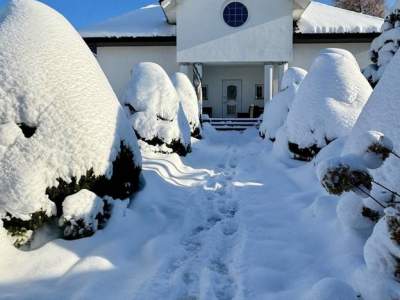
pixel 229 222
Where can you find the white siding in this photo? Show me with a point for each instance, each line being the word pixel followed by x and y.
pixel 117 62
pixel 304 54
pixel 204 37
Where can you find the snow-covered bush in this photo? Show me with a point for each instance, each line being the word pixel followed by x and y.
pixel 382 250
pixel 83 214
pixel 277 110
pixel 374 148
pixel 345 174
pixel 61 126
pixel 327 103
pixel 381 116
pixel 189 102
pixel 384 47
pixel 153 106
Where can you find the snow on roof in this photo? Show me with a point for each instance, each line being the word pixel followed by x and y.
pixel 148 21
pixel 323 18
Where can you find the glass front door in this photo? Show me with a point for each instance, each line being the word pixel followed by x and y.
pixel 232 98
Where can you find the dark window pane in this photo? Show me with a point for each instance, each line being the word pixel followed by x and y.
pixel 235 14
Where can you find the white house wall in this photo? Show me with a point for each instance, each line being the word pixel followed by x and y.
pixel 203 36
pixel 304 54
pixel 117 62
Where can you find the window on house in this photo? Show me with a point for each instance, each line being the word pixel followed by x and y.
pixel 204 90
pixel 259 92
pixel 235 14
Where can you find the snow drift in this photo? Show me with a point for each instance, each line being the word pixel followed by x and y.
pixel 61 126
pixel 153 107
pixel 327 104
pixel 277 110
pixel 188 99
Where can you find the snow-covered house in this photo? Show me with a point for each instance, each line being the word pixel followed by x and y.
pixel 239 48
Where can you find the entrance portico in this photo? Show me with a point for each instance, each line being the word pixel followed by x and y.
pixel 236 90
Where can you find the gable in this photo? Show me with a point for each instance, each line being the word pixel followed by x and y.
pixel 203 35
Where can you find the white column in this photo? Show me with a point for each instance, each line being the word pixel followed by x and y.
pixel 282 70
pixel 184 68
pixel 197 81
pixel 268 82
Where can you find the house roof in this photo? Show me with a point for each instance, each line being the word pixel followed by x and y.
pixel 322 18
pixel 318 21
pixel 148 21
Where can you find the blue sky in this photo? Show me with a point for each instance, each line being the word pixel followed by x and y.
pixel 82 13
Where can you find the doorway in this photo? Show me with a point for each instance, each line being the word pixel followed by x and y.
pixel 231 98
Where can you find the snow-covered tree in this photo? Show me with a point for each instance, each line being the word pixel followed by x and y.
pixel 384 47
pixel 369 7
pixel 189 102
pixel 153 106
pixel 327 103
pixel 61 126
pixel 277 110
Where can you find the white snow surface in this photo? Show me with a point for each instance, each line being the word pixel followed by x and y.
pixel 155 100
pixel 278 108
pixel 188 99
pixel 228 221
pixel 329 100
pixel 381 113
pixel 84 205
pixel 323 18
pixel 49 79
pixel 148 21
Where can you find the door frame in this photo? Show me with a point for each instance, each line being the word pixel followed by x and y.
pixel 239 105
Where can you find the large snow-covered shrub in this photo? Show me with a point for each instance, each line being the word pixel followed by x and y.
pixel 384 47
pixel 188 98
pixel 277 110
pixel 61 126
pixel 381 116
pixel 153 107
pixel 327 104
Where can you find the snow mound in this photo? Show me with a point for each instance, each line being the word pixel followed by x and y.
pixel 323 18
pixel 277 110
pixel 81 213
pixel 381 113
pixel 148 21
pixel 153 107
pixel 384 47
pixel 70 124
pixel 328 102
pixel 189 102
pixel 332 289
pixel 350 212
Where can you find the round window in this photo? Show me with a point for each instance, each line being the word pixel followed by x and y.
pixel 235 14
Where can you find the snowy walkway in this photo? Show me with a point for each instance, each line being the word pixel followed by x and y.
pixel 229 222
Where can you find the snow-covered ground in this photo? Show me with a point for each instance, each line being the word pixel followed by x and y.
pixel 229 221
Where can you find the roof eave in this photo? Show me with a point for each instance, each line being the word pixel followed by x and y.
pixel 168 8
pixel 331 38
